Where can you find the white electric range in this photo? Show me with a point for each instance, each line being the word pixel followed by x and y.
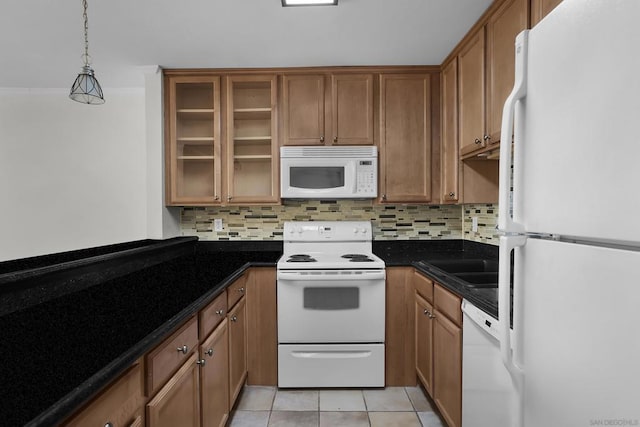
pixel 331 306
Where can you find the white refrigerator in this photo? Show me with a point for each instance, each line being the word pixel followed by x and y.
pixel 573 218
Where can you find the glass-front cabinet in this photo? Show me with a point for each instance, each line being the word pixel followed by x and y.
pixel 251 148
pixel 193 149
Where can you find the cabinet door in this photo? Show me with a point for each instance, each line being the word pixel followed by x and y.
pixel 471 100
pixel 237 349
pixel 405 138
pixel 541 8
pixel 178 402
pixel 447 369
pixel 251 146
pixel 502 28
pixel 450 154
pixel 424 342
pixel 399 337
pixel 215 377
pixel 192 144
pixel 262 329
pixel 303 110
pixel 352 109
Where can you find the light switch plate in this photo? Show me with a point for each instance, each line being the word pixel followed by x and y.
pixel 217 224
pixel 474 224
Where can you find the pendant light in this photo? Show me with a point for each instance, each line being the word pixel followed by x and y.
pixel 86 88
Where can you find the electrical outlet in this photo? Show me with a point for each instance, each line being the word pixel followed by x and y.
pixel 474 224
pixel 217 224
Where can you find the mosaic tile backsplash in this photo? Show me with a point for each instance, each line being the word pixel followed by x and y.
pixel 390 222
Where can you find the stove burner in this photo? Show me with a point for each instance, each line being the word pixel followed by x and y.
pixel 301 258
pixel 357 258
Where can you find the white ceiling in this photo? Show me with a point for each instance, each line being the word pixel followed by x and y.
pixel 41 41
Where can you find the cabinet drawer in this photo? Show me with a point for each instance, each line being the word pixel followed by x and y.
pixel 236 291
pixel 448 304
pixel 424 286
pixel 118 404
pixel 212 315
pixel 165 359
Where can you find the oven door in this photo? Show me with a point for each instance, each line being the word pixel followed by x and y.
pixel 331 306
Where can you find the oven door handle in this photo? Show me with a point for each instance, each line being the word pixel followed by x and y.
pixel 348 354
pixel 334 275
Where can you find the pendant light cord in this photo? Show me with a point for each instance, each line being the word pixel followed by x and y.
pixel 86 33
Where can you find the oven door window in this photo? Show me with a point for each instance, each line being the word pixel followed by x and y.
pixel 317 177
pixel 331 298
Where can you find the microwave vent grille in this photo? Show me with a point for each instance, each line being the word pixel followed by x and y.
pixel 345 151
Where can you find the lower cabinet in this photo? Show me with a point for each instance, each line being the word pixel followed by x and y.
pixel 237 349
pixel 438 324
pixel 120 404
pixel 214 376
pixel 178 402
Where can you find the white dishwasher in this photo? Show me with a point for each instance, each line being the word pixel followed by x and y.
pixel 489 397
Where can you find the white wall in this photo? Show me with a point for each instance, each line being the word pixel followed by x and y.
pixel 71 175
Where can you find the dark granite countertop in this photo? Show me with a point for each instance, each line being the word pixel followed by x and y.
pixel 74 321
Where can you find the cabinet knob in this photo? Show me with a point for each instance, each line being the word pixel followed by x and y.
pixel 201 362
pixel 234 318
pixel 335 139
pixel 108 424
pixel 384 197
pixel 241 290
pixel 431 316
pixel 452 194
pixel 487 137
pixel 229 198
pixel 426 311
pixel 322 138
pixel 220 312
pixel 184 349
pixel 216 198
pixel 209 352
pixel 477 141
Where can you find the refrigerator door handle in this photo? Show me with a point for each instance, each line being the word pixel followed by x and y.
pixel 507 244
pixel 505 220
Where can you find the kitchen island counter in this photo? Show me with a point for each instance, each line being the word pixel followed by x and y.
pixel 75 321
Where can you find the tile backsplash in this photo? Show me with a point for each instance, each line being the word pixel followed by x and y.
pixel 487 215
pixel 390 222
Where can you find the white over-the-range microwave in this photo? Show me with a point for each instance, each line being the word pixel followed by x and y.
pixel 342 172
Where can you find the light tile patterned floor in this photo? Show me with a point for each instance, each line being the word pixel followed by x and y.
pixel 393 406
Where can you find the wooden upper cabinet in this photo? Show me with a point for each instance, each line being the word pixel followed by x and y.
pixel 502 28
pixel 405 138
pixel 471 95
pixel 449 151
pixel 251 146
pixel 352 109
pixel 303 109
pixel 541 8
pixel 192 147
pixel 338 113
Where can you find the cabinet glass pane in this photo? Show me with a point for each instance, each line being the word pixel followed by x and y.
pixel 194 140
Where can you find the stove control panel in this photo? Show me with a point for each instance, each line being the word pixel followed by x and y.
pixel 327 230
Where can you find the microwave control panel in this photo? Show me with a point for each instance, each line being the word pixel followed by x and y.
pixel 367 178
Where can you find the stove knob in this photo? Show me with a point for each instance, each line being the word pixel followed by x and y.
pixel 363 230
pixel 299 230
pixel 355 230
pixel 292 230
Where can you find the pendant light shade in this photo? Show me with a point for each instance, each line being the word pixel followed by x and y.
pixel 86 88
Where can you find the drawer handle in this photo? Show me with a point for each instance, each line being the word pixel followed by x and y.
pixel 209 352
pixel 241 290
pixel 234 318
pixel 184 349
pixel 201 362
pixel 220 312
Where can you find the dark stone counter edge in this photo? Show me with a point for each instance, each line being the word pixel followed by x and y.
pixel 86 391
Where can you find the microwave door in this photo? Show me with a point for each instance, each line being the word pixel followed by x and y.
pixel 315 178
